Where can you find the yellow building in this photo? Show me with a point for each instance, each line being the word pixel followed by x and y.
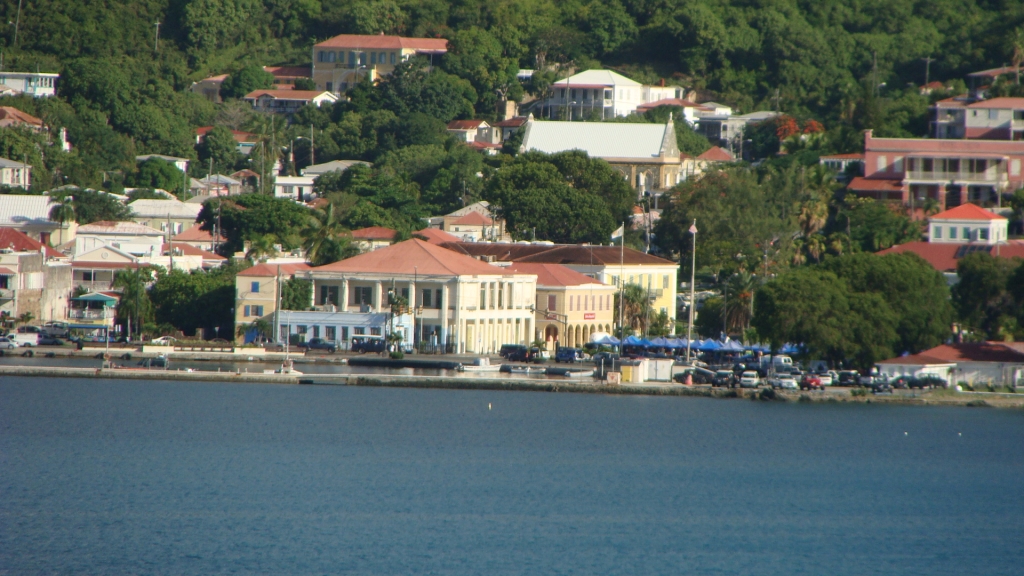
pixel 570 306
pixel 606 264
pixel 343 61
pixel 256 291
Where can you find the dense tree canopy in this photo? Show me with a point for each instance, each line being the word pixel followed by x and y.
pixel 989 298
pixel 250 216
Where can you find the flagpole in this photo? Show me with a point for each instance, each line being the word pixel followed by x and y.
pixel 693 275
pixel 622 283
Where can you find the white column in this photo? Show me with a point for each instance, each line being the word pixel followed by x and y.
pixel 378 296
pixel 343 297
pixel 412 310
pixel 443 313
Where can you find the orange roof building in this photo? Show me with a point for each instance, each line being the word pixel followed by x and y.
pixel 571 307
pixel 976 363
pixel 341 62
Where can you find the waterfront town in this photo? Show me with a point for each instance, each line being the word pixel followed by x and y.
pixel 426 196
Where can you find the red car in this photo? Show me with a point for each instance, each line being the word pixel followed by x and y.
pixel 811 382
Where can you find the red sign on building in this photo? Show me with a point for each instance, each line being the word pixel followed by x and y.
pixel 589 316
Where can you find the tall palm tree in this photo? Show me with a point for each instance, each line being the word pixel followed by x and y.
pixel 261 248
pixel 325 239
pixel 815 247
pixel 25 318
pixel 1017 50
pixel 812 216
pixel 63 210
pixel 799 258
pixel 739 305
pixel 135 305
pixel 837 242
pixel 635 306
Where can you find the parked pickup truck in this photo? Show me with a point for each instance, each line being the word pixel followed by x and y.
pixel 319 344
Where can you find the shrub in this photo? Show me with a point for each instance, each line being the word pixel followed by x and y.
pixel 859 392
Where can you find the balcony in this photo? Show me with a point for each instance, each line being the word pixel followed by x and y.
pixel 989 177
pixel 88 314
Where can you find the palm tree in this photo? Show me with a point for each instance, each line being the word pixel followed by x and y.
pixel 812 216
pixel 135 304
pixel 739 305
pixel 931 207
pixel 325 239
pixel 261 328
pixel 799 258
pixel 815 247
pixel 261 248
pixel 25 318
pixel 635 306
pixel 63 210
pixel 837 242
pixel 1017 50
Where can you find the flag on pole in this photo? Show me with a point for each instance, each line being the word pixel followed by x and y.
pixel 693 227
pixel 618 233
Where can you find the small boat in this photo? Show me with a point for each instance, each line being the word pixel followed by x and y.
pixel 287 367
pixel 480 365
pixel 569 372
pixel 521 369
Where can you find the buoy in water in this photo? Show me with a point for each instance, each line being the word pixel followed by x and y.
pixel 488 405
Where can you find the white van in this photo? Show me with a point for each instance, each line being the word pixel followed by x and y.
pixel 779 363
pixel 27 336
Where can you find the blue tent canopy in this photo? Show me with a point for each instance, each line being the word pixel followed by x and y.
pixel 634 341
pixel 708 346
pixel 607 340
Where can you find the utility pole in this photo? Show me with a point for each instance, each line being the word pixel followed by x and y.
pixel 170 240
pixel 776 99
pixel 312 148
pixel 927 69
pixel 874 72
pixel 693 277
pixel 156 37
pixel 17 22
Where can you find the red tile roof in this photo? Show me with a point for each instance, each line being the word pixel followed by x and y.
pixel 11 115
pixel 464 124
pixel 851 156
pixel 474 218
pixel 5 271
pixel 435 236
pixel 289 71
pixel 483 145
pixel 194 234
pixel 861 183
pixel 973 352
pixel 374 233
pixel 943 255
pixel 377 42
pixel 190 250
pixel 414 257
pixel 512 122
pixel 20 242
pixel 241 137
pixel 553 275
pixel 967 212
pixel 678 102
pixel 285 94
pixel 270 270
pixel 1001 103
pixel 602 255
pixel 716 154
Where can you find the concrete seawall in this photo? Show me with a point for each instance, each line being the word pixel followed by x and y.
pixel 838 395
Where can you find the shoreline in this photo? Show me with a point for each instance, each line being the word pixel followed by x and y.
pixel 834 396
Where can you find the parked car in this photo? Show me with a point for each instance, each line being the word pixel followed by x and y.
pixel 811 382
pixel 928 381
pixel 750 379
pixel 782 382
pixel 50 341
pixel 364 344
pixel 164 341
pixel 724 378
pixel 567 354
pixel 515 349
pixel 319 344
pixel 826 379
pixel 56 329
pixel 849 378
pixel 7 344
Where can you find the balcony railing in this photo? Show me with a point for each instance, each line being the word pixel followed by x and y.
pixel 987 177
pixel 79 314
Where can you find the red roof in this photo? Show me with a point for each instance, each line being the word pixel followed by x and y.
pixel 1001 103
pixel 678 102
pixel 289 71
pixel 414 257
pixel 194 234
pixel 968 352
pixel 861 183
pixel 374 233
pixel 967 212
pixel 13 115
pixel 377 42
pixel 5 271
pixel 464 124
pixel 474 218
pixel 435 236
pixel 716 154
pixel 240 137
pixel 552 274
pixel 20 242
pixel 851 156
pixel 190 250
pixel 285 94
pixel 483 145
pixel 512 122
pixel 943 256
pixel 270 270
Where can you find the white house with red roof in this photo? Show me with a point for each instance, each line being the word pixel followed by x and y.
pixel 570 306
pixel 341 62
pixel 34 277
pixel 961 231
pixel 373 237
pixel 209 87
pixel 246 141
pixel 474 131
pixel 601 93
pixel 287 101
pixel 977 363
pixel 842 163
pixel 967 223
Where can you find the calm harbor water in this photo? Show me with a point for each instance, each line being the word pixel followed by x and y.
pixel 112 477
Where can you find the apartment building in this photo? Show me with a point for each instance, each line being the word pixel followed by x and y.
pixel 345 60
pixel 601 94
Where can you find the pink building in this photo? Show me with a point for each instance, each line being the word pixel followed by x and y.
pixel 950 171
pixel 995 119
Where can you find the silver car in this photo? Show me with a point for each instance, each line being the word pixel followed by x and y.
pixel 750 379
pixel 7 344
